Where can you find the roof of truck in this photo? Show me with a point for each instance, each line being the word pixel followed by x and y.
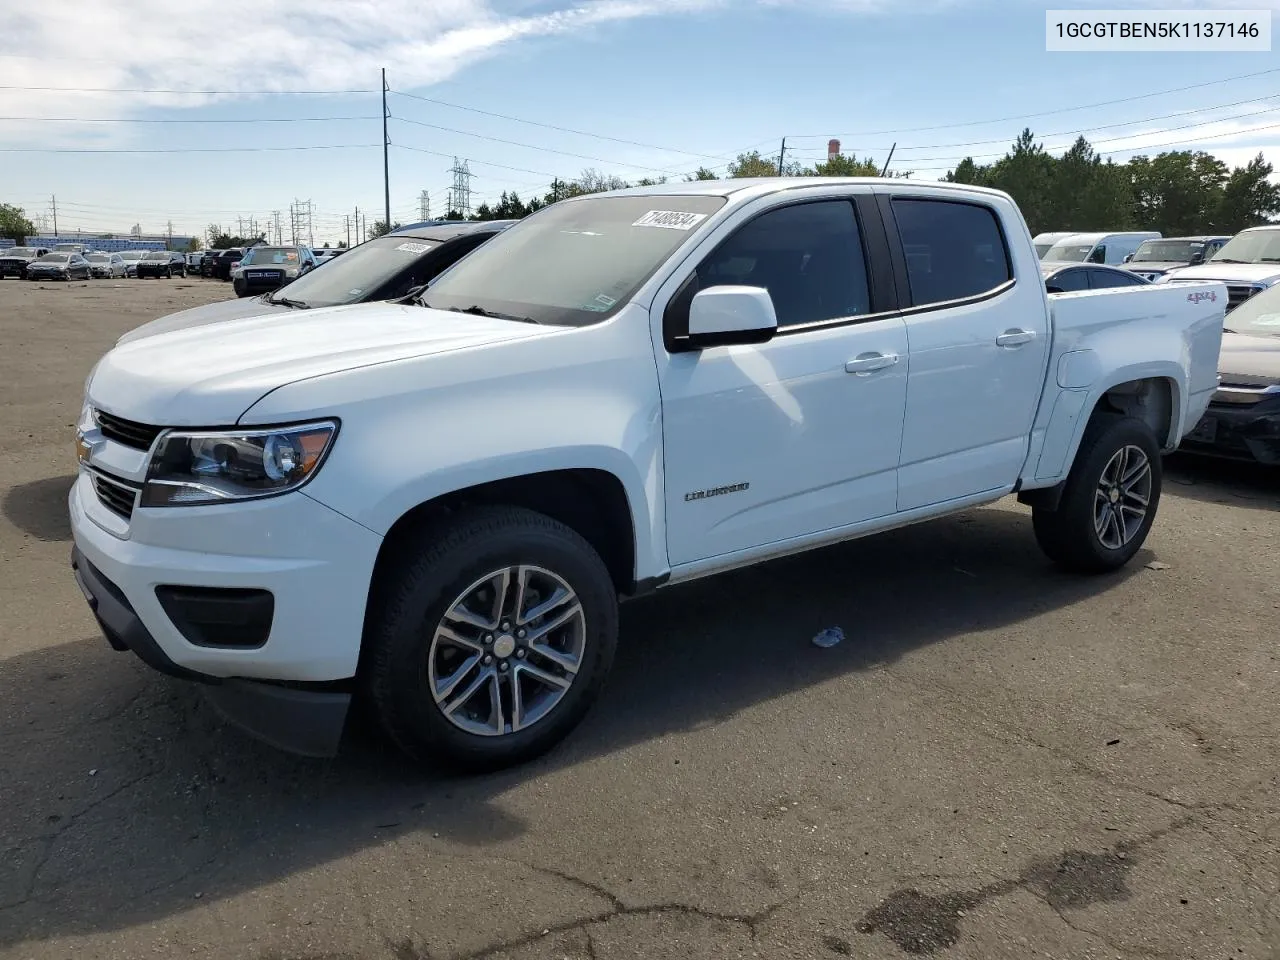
pixel 759 186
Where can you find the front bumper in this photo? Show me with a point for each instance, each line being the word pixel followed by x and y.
pixel 262 284
pixel 1238 432
pixel 47 274
pixel 13 268
pixel 293 690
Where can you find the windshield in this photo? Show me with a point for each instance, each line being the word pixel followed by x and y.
pixel 1259 315
pixel 258 256
pixel 1075 252
pixel 99 258
pixel 157 255
pixel 574 262
pixel 54 258
pixel 131 254
pixel 18 252
pixel 1261 246
pixel 1042 248
pixel 365 269
pixel 1177 251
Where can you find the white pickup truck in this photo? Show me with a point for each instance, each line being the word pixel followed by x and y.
pixel 438 505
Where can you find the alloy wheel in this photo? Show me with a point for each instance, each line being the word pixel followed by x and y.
pixel 1122 497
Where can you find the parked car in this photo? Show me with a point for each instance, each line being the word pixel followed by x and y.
pixel 1043 241
pixel 194 258
pixel 59 266
pixel 161 263
pixel 1243 418
pixel 131 260
pixel 1070 277
pixel 325 254
pixel 107 265
pixel 13 262
pixel 1154 258
pixel 1248 264
pixel 622 391
pixel 222 263
pixel 1108 248
pixel 266 268
pixel 385 268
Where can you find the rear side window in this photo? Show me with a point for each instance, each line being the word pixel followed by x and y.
pixel 953 250
pixel 1068 281
pixel 1102 279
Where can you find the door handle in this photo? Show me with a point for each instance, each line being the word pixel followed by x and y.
pixel 865 363
pixel 1015 338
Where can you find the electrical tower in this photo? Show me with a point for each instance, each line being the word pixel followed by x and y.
pixel 275 218
pixel 460 192
pixel 424 206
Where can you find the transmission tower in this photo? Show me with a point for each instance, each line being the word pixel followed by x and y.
pixel 424 206
pixel 460 192
pixel 275 217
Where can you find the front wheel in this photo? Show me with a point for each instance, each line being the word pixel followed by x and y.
pixel 489 644
pixel 1110 498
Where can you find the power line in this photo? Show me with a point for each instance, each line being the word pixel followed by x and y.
pixel 327 146
pixel 201 93
pixel 552 126
pixel 483 163
pixel 1046 113
pixel 181 119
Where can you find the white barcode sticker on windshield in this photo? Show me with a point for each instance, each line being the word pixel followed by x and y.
pixel 414 247
pixel 670 219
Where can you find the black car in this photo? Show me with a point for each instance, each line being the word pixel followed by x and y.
pixel 1067 276
pixel 1157 257
pixel 162 263
pixel 220 269
pixel 1243 419
pixel 13 262
pixel 59 266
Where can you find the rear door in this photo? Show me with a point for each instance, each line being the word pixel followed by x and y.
pixel 978 340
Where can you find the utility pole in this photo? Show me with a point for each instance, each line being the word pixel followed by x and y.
pixel 364 226
pixel 782 155
pixel 356 221
pixel 346 222
pixel 54 200
pixel 169 244
pixel 424 206
pixel 887 159
pixel 555 190
pixel 275 216
pixel 386 144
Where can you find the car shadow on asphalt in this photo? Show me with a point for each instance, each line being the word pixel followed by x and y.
pixel 39 508
pixel 1235 483
pixel 123 797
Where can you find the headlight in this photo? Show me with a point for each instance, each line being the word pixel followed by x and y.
pixel 199 467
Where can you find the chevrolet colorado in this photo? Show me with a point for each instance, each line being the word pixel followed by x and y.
pixel 437 505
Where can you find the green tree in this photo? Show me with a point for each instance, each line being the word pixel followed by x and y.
pixel 14 223
pixel 702 173
pixel 193 245
pixel 752 164
pixel 1178 192
pixel 842 166
pixel 380 228
pixel 1024 173
pixel 1248 197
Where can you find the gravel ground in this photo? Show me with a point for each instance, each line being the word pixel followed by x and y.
pixel 999 761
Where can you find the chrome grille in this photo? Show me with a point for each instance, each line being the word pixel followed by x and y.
pixel 116 495
pixel 140 436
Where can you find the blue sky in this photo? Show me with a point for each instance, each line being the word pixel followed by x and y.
pixel 663 85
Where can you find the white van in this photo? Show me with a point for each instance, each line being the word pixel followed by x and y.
pixel 1109 248
pixel 1043 241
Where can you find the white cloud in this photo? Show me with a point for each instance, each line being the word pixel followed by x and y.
pixel 254 47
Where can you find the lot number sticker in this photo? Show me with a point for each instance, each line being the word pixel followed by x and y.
pixel 670 219
pixel 414 247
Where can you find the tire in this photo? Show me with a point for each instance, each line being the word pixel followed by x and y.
pixel 239 289
pixel 1081 540
pixel 402 653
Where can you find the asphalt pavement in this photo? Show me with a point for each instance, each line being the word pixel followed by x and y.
pixel 998 761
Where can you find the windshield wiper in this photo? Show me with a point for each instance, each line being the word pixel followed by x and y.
pixel 1229 330
pixel 285 301
pixel 1227 260
pixel 479 311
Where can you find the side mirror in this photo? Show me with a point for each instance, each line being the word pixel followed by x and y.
pixel 1197 258
pixel 721 316
pixel 1128 257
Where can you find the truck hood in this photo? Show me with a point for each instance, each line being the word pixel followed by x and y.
pixel 208 313
pixel 209 375
pixel 1228 272
pixel 1154 266
pixel 1249 356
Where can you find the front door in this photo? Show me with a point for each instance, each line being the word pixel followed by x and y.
pixel 978 344
pixel 764 443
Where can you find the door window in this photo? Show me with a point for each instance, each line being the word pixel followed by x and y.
pixel 1068 281
pixel 809 256
pixel 953 250
pixel 1101 279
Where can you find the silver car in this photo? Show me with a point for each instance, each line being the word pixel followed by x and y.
pixel 105 265
pixel 131 259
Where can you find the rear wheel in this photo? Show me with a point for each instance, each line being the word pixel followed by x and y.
pixel 491 642
pixel 1110 499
